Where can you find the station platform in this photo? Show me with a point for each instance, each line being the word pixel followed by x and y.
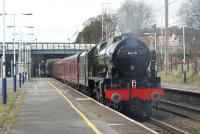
pixel 54 108
pixel 183 87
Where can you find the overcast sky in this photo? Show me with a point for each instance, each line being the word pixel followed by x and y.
pixel 58 20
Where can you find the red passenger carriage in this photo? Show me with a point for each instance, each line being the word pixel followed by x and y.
pixel 67 69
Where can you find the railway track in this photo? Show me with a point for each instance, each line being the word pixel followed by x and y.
pixel 185 110
pixel 162 127
pixel 166 126
pixel 180 109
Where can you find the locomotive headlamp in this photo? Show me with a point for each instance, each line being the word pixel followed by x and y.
pixel 133 84
pixel 116 98
pixel 155 96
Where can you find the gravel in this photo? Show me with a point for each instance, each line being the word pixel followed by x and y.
pixel 183 123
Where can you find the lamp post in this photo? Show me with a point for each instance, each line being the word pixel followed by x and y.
pixel 161 48
pixel 24 56
pixel 22 61
pixel 4 84
pixel 155 48
pixel 102 21
pixel 14 57
pixel 166 36
pixel 21 57
pixel 184 63
pixel 27 62
pixel 14 60
pixel 28 57
pixel 22 49
pixel 14 49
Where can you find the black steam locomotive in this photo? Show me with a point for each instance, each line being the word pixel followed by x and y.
pixel 119 72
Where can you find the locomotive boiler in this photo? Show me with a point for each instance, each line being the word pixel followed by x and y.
pixel 119 72
pixel 124 58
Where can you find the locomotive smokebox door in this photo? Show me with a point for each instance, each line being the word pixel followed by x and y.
pixel 131 58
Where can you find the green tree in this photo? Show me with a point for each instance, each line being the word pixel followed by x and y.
pixel 92 31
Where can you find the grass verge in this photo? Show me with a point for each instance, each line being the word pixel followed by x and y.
pixel 10 112
pixel 173 78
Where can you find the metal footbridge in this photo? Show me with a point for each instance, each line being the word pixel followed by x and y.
pixel 38 48
pixel 39 53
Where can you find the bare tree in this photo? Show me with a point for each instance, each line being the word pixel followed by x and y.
pixel 134 16
pixel 190 13
pixel 109 24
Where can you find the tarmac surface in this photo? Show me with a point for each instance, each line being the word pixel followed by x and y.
pixel 53 108
pixel 45 112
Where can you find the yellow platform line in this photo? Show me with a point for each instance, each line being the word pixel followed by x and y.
pixel 89 123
